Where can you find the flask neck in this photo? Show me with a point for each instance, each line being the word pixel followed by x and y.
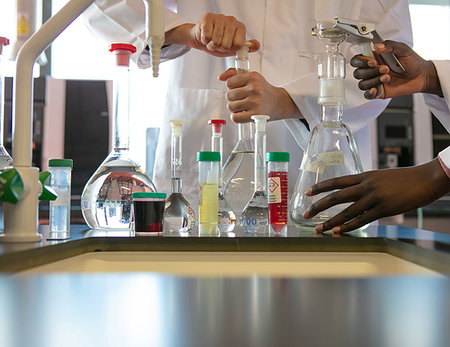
pixel 260 162
pixel 121 108
pixel 332 113
pixel 176 163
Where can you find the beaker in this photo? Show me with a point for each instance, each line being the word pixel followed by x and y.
pixel 254 217
pixel 238 185
pixel 331 150
pixel 227 217
pixel 106 201
pixel 179 216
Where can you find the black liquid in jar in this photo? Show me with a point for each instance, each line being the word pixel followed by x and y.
pixel 148 215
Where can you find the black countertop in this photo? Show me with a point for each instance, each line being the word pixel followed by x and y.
pixel 151 309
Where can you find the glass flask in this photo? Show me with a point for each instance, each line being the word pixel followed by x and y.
pixel 179 216
pixel 238 186
pixel 331 150
pixel 254 217
pixel 227 217
pixel 106 201
pixel 5 158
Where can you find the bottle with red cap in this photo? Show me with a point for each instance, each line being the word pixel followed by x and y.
pixel 106 201
pixel 227 217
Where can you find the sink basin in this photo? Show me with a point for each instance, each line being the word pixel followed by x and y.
pixel 239 264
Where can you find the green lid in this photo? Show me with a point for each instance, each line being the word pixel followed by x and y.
pixel 148 195
pixel 277 156
pixel 61 162
pixel 12 186
pixel 208 156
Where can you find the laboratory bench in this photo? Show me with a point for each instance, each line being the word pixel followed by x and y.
pixel 51 296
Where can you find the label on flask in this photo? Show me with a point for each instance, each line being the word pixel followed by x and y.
pixel 323 160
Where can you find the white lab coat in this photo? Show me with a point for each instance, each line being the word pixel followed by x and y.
pixel 441 106
pixel 283 28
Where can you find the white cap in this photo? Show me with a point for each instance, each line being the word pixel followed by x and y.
pixel 176 125
pixel 260 122
pixel 242 53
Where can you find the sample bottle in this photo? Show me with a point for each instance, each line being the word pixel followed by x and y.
pixel 148 212
pixel 237 171
pixel 179 216
pixel 227 217
pixel 277 190
pixel 106 201
pixel 60 179
pixel 331 150
pixel 254 218
pixel 208 180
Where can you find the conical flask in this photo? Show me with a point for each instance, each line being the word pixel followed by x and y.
pixel 227 216
pixel 331 150
pixel 237 171
pixel 254 217
pixel 106 201
pixel 179 216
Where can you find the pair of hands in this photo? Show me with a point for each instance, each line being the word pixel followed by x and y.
pixel 248 93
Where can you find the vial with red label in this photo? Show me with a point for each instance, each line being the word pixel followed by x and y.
pixel 277 190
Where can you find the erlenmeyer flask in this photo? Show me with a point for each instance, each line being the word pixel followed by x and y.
pixel 255 215
pixel 179 216
pixel 227 216
pixel 237 171
pixel 331 150
pixel 106 201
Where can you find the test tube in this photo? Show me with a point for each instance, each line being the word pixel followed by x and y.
pixel 61 172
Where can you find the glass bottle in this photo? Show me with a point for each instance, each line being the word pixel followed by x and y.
pixel 227 217
pixel 254 218
pixel 208 202
pixel 238 185
pixel 277 190
pixel 179 216
pixel 331 150
pixel 106 201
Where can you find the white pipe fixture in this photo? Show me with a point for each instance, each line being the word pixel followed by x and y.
pixel 21 220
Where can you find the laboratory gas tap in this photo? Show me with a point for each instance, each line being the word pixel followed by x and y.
pixel 21 220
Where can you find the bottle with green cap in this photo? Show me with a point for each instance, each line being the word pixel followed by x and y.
pixel 208 193
pixel 61 178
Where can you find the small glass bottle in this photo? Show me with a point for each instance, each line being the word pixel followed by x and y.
pixel 148 211
pixel 208 204
pixel 227 217
pixel 60 179
pixel 238 186
pixel 254 218
pixel 106 201
pixel 277 190
pixel 179 216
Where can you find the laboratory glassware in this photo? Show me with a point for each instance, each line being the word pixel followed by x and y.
pixel 5 158
pixel 227 217
pixel 237 171
pixel 208 193
pixel 179 216
pixel 60 179
pixel 106 201
pixel 331 150
pixel 254 217
pixel 148 211
pixel 277 189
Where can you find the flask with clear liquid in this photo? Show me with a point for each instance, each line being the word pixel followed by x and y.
pixel 237 171
pixel 254 218
pixel 179 216
pixel 331 150
pixel 106 201
pixel 227 217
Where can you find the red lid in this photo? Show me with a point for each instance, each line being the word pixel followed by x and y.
pixel 124 46
pixel 4 41
pixel 217 121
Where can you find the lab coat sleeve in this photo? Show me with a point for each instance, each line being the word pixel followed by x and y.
pixel 394 24
pixel 438 105
pixel 124 21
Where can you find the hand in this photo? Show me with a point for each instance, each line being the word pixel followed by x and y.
pixel 250 93
pixel 216 34
pixel 419 77
pixel 377 194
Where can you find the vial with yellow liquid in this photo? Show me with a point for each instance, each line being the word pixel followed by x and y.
pixel 208 180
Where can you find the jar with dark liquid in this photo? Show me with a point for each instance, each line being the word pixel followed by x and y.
pixel 148 211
